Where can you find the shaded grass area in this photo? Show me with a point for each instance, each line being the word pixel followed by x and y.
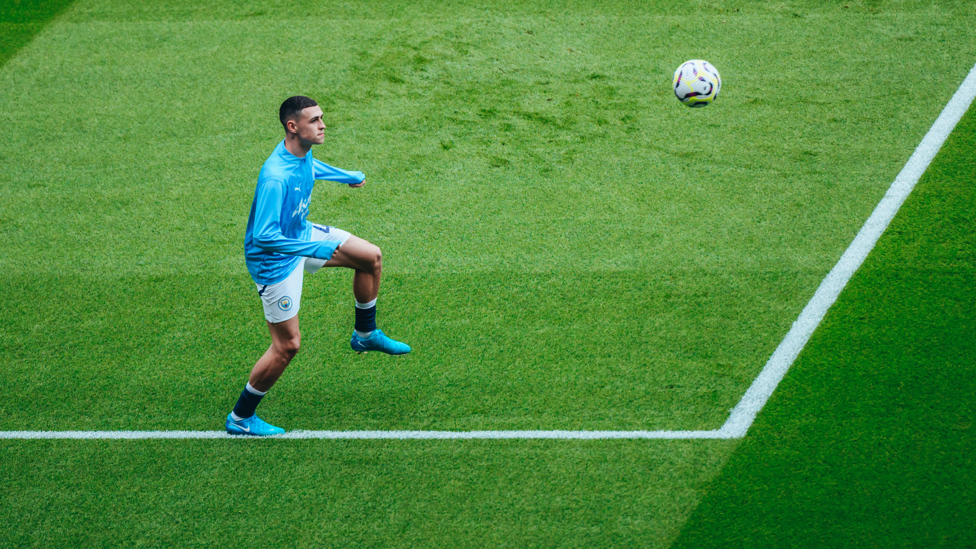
pixel 350 494
pixel 869 440
pixel 20 20
pixel 498 350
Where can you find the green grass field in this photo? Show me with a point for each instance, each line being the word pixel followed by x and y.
pixel 565 247
pixel 869 440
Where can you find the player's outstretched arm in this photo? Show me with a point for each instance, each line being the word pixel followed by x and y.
pixel 326 172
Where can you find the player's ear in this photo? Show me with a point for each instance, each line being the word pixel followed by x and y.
pixel 291 126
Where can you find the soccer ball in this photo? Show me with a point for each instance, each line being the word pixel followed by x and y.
pixel 696 83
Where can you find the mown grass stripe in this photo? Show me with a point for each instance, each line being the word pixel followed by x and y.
pixel 21 20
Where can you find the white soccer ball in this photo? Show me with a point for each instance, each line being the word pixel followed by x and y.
pixel 696 83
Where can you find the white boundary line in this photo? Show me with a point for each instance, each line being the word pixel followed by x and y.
pixel 762 387
pixel 372 435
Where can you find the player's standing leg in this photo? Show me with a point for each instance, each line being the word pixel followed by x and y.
pixel 367 260
pixel 285 342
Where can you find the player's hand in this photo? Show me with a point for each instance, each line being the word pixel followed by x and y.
pixel 357 185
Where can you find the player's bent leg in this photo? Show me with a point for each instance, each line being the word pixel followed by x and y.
pixel 367 260
pixel 364 258
pixel 357 254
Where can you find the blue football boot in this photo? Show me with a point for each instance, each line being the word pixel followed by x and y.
pixel 378 341
pixel 251 426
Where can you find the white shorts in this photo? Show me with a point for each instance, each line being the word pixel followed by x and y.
pixel 282 300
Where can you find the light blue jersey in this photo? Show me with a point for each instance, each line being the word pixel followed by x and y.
pixel 277 235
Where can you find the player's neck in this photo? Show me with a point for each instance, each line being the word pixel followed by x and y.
pixel 296 145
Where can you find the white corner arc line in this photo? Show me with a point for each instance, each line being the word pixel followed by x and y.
pixel 745 412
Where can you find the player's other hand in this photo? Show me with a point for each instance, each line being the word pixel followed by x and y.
pixel 357 185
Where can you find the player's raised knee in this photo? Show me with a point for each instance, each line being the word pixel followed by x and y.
pixel 377 258
pixel 371 258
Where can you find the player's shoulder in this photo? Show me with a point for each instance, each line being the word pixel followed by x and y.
pixel 277 167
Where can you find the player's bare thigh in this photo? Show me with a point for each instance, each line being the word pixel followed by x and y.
pixel 357 254
pixel 285 336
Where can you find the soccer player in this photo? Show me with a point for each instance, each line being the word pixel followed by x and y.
pixel 280 246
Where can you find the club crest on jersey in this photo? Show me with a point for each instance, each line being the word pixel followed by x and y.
pixel 285 303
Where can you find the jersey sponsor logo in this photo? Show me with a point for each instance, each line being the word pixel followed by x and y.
pixel 285 303
pixel 302 208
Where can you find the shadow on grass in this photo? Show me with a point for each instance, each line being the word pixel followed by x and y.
pixel 20 20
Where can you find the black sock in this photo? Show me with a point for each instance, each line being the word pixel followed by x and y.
pixel 366 318
pixel 247 402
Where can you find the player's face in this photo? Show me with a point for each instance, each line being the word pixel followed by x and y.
pixel 310 126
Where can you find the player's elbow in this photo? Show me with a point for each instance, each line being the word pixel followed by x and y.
pixel 265 241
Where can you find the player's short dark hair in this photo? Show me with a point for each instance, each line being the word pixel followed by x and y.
pixel 292 107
